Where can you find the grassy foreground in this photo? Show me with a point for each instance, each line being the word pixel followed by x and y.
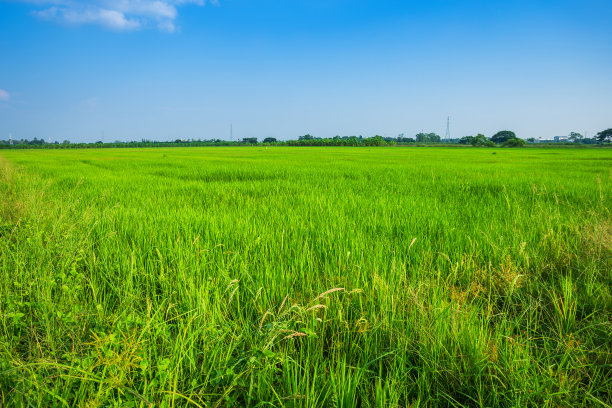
pixel 306 277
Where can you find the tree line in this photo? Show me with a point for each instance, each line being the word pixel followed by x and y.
pixel 504 138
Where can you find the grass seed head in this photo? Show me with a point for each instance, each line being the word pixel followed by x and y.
pixel 293 335
pixel 329 292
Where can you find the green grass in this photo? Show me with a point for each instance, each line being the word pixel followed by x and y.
pixel 306 277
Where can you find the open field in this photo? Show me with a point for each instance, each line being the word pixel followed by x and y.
pixel 306 277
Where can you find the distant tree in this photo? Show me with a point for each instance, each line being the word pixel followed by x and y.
pixel 66 142
pixel 478 140
pixel 575 137
pixel 466 140
pixel 605 136
pixel 249 140
pixel 514 143
pixel 427 138
pixel 374 141
pixel 503 136
pixel 531 140
pixel 402 139
pixel 270 140
pixel 307 136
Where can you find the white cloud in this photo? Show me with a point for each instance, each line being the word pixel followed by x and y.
pixel 112 19
pixel 167 26
pixel 120 15
pixel 4 96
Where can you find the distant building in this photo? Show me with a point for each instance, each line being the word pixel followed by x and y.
pixel 556 139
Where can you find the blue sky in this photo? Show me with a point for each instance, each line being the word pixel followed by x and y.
pixel 167 69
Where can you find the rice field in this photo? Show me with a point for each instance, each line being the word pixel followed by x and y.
pixel 306 277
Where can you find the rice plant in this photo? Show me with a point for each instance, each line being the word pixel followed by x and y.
pixel 306 277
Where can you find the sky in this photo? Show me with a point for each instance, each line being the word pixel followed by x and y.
pixel 192 69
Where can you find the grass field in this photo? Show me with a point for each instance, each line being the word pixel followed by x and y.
pixel 306 277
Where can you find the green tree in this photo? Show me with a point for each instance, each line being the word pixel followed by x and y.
pixel 575 137
pixel 250 140
pixel 478 140
pixel 466 140
pixel 374 141
pixel 427 138
pixel 515 142
pixel 270 140
pixel 402 139
pixel 503 136
pixel 605 136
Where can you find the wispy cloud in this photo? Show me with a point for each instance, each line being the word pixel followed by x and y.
pixel 4 96
pixel 119 15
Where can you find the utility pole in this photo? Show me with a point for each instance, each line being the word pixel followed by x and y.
pixel 10 138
